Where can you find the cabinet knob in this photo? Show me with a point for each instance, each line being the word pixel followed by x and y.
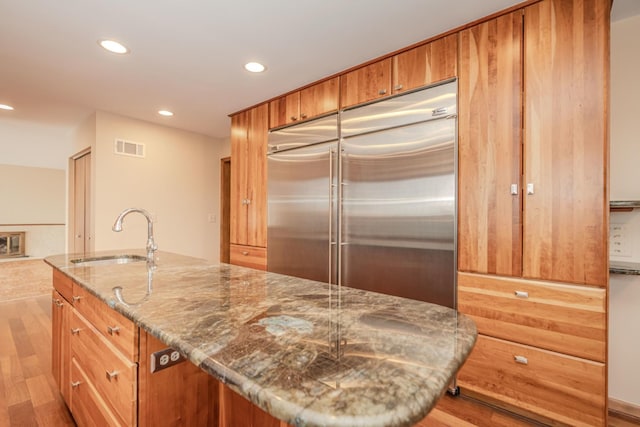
pixel 113 330
pixel 75 331
pixel 293 118
pixel 521 294
pixel 245 253
pixel 75 384
pixel 303 116
pixel 521 359
pixel 397 87
pixel 57 302
pixel 382 91
pixel 112 375
pixel 76 298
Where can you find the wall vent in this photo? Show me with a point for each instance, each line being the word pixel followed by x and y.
pixel 128 148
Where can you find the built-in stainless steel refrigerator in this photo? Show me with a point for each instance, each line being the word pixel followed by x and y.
pixel 366 197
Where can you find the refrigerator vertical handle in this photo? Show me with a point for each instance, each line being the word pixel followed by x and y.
pixel 332 152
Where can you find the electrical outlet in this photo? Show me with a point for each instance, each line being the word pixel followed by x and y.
pixel 165 358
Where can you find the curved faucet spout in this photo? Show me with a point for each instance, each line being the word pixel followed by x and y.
pixel 151 244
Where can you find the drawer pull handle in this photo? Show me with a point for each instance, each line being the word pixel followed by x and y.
pixel 521 359
pixel 113 330
pixel 75 331
pixel 382 92
pixel 75 384
pixel 57 302
pixel 522 294
pixel 76 298
pixel 245 253
pixel 112 375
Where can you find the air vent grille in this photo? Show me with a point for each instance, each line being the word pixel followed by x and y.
pixel 128 148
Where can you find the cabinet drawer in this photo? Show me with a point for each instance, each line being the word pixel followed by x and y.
pixel 248 256
pixel 565 318
pixel 87 406
pixel 552 385
pixel 116 328
pixel 63 284
pixel 111 374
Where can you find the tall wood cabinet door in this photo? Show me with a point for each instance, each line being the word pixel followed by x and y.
pixel 566 141
pixel 366 83
pixel 61 345
pixel 285 110
pixel 425 64
pixel 257 177
pixel 239 172
pixel 490 138
pixel 319 99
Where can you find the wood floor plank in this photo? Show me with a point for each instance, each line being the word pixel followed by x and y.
pixel 40 390
pixel 22 414
pixel 21 338
pixel 54 414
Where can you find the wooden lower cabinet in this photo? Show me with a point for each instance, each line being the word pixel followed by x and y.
pixel 236 411
pixel 101 363
pixel 106 369
pixel 180 395
pixel 539 383
pixel 61 344
pixel 541 349
pixel 249 256
pixel 88 407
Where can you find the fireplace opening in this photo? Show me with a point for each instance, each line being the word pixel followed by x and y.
pixel 11 244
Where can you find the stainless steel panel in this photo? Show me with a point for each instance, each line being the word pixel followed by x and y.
pixel 426 104
pixel 312 132
pixel 398 211
pixel 302 220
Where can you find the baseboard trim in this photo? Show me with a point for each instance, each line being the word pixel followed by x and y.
pixel 624 410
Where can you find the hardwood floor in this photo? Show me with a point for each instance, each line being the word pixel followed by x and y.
pixel 28 393
pixel 29 396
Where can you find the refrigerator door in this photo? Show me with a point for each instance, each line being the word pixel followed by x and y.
pixel 315 131
pixel 398 211
pixel 432 103
pixel 302 220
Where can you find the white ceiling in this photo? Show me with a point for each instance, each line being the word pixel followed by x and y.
pixel 187 56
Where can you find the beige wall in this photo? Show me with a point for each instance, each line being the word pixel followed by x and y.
pixel 177 182
pixel 32 195
pixel 624 295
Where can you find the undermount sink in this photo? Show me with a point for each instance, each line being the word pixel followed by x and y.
pixel 108 260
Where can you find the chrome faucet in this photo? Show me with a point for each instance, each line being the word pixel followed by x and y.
pixel 151 244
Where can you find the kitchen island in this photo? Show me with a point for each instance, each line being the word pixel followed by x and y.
pixel 305 352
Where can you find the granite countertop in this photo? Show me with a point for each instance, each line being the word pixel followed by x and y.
pixel 308 353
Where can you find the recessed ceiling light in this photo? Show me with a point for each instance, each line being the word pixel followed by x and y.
pixel 254 67
pixel 5 107
pixel 113 46
pixel 165 113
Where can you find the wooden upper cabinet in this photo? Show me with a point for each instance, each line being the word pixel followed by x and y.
pixel 489 147
pixel 366 83
pixel 248 206
pixel 566 141
pixel 319 99
pixel 284 110
pixel 304 104
pixel 425 64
